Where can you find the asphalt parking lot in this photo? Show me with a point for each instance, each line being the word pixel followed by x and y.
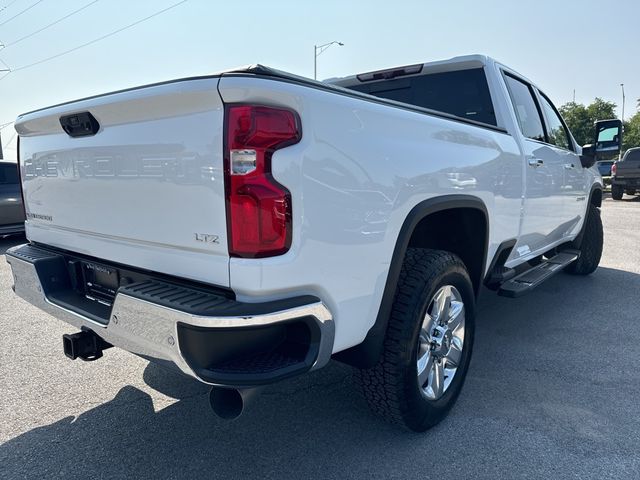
pixel 553 392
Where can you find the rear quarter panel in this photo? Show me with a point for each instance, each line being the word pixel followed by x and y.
pixel 360 168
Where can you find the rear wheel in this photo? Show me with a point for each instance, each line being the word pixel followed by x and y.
pixel 616 192
pixel 591 246
pixel 428 343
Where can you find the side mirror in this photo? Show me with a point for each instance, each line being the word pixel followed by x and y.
pixel 608 137
pixel 588 156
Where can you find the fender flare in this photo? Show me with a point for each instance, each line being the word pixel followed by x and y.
pixel 366 354
pixel 596 189
pixel 595 198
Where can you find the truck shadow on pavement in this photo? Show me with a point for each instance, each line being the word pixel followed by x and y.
pixel 10 241
pixel 544 394
pixel 625 198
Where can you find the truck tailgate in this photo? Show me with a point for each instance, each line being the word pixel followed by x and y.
pixel 146 190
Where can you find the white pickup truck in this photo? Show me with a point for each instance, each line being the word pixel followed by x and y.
pixel 248 226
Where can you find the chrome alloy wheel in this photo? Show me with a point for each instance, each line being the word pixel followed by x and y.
pixel 440 342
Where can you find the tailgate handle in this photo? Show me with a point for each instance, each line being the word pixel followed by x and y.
pixel 81 124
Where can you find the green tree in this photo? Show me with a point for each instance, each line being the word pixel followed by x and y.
pixel 631 137
pixel 580 119
pixel 601 110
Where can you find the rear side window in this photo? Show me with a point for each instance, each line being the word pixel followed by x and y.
pixel 555 129
pixel 526 109
pixel 462 93
pixel 8 174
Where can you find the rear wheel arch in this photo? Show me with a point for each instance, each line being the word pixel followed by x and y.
pixel 461 230
pixel 468 239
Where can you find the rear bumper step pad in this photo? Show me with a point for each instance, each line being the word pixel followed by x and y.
pixel 213 338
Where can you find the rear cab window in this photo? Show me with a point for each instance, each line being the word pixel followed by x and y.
pixel 463 93
pixel 632 155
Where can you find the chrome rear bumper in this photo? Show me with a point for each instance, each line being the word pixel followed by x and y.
pixel 142 323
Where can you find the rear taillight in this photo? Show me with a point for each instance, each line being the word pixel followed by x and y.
pixel 614 168
pixel 258 207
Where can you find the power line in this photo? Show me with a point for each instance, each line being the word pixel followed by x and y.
pixel 21 12
pixel 7 6
pixel 5 125
pixel 49 25
pixel 95 40
pixel 8 142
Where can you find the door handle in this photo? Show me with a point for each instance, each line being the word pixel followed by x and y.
pixel 536 162
pixel 569 165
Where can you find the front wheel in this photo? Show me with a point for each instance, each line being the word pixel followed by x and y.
pixel 591 246
pixel 428 343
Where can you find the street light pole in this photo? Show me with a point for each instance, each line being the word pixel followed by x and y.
pixel 317 51
pixel 622 86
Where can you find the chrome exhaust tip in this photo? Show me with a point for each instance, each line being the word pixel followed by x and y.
pixel 230 403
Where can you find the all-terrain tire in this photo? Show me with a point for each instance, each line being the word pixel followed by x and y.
pixel 391 387
pixel 591 246
pixel 617 192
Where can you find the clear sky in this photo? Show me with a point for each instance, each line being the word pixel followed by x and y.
pixel 587 45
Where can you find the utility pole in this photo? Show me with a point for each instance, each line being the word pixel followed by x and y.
pixel 317 51
pixel 574 95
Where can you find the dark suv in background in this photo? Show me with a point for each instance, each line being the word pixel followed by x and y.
pixel 625 174
pixel 11 210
